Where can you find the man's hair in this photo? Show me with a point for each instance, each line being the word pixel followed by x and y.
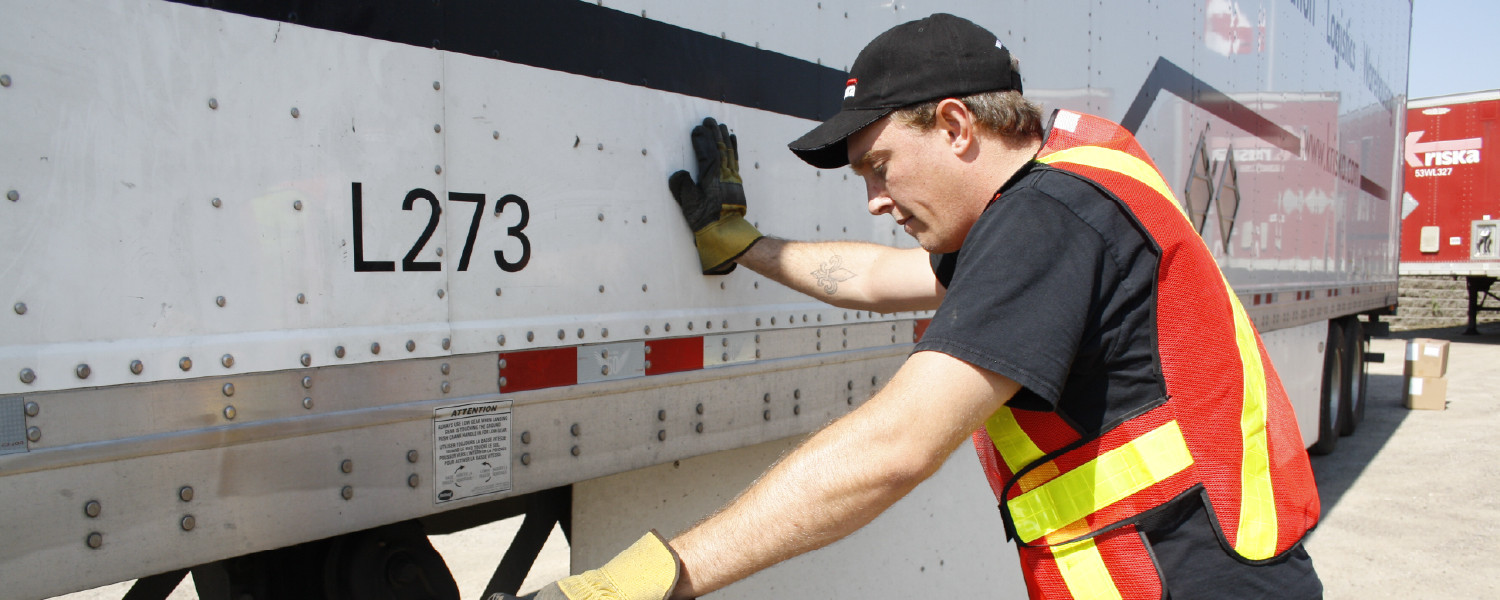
pixel 1004 113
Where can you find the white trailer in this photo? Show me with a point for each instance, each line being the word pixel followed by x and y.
pixel 292 283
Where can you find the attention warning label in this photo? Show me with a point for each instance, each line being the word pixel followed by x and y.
pixel 471 453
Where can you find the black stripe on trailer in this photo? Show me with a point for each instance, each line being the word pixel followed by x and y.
pixel 579 38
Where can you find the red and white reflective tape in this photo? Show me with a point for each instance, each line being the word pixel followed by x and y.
pixel 571 365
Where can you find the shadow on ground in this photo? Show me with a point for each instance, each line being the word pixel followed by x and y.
pixel 1384 412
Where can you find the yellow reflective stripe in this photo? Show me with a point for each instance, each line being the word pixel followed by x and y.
pixel 1119 162
pixel 1105 480
pixel 1256 538
pixel 1015 447
pixel 1084 572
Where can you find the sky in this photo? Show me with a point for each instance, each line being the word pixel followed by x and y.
pixel 1455 47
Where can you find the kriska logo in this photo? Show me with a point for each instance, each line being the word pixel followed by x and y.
pixel 1443 152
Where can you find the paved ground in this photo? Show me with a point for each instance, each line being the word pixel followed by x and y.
pixel 1409 501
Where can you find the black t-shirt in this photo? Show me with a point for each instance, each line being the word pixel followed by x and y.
pixel 1054 287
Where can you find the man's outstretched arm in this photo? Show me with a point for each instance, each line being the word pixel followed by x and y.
pixel 845 475
pixel 856 275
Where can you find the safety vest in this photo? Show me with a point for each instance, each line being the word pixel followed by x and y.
pixel 1225 428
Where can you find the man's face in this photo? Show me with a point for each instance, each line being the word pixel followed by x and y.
pixel 907 175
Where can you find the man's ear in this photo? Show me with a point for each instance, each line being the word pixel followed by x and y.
pixel 956 123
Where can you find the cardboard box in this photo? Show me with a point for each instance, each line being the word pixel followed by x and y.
pixel 1426 358
pixel 1427 393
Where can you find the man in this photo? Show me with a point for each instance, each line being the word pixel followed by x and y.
pixel 1070 295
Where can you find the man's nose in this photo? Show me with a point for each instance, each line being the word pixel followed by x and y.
pixel 879 202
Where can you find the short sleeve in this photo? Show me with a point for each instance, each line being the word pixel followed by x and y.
pixel 1021 293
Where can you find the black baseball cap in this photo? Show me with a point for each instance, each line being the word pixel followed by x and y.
pixel 941 56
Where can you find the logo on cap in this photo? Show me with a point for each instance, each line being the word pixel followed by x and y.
pixel 849 88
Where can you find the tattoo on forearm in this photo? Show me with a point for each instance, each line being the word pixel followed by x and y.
pixel 831 273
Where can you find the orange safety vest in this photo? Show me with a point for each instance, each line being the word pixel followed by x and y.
pixel 1225 429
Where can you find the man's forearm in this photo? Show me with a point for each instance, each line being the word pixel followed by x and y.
pixel 857 275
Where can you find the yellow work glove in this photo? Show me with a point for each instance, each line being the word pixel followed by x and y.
pixel 647 570
pixel 715 206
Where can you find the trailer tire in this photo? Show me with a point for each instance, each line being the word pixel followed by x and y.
pixel 1356 376
pixel 1332 393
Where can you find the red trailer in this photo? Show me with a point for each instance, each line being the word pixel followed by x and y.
pixel 1450 214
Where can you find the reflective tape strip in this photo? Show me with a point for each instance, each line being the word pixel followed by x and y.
pixel 1098 483
pixel 1256 534
pixel 1014 446
pixel 1084 571
pixel 1119 162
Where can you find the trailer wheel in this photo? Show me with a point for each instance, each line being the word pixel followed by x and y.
pixel 1356 376
pixel 1334 391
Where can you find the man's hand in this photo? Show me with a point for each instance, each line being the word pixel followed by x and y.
pixel 647 570
pixel 715 206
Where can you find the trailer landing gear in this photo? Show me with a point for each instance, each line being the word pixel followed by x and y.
pixel 1479 289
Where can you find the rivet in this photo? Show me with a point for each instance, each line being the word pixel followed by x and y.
pixel 757 337
pixel 412 456
pixel 347 492
pixel 20 308
pixel 375 348
pixel 574 429
pixel 220 301
pixel 296 205
pixel 500 340
pixel 446 387
pixel 83 371
pixel 873 380
pixel 216 202
pixel 441 293
pixel 773 321
pixel 690 325
pixel 575 451
pixel 137 366
pixel 307 403
pixel 34 434
pixel 230 412
pixel 766 414
pixel 601 217
pixel 643 218
pixel 213 103
pixel 525 437
pixel 503 363
pixel 411 345
pixel 306 359
pixel 439 250
pixel 301 298
pixel 437 85
pixel 497 291
pixel 306 382
pixel 32 408
pixel 766 398
pixel 643 287
pixel 94 540
pixel 185 493
pixel 447 343
pixel 601 146
pixel 601 289
pixel 437 169
pixel 444 368
pixel 495 134
pixel 604 370
pixel 648 365
pixel 228 389
pixel 661 415
pixel 188 523
pixel 604 332
pixel 757 321
pixel 437 128
pixel 413 480
pixel 850 384
pixel 698 428
pixel 296 113
pixel 797 409
pixel 227 360
pixel 561 334
pixel 526 458
pixel 667 327
pixel 530 335
pixel 4 80
pixel 757 353
pixel 699 408
pixel 818 333
pixel 503 383
pixel 92 509
pixel 346 466
pixel 185 363
pixel 643 151
pixel 725 357
pixel 849 400
pixel 820 318
pixel 797 394
pixel 661 435
pixel 819 346
pixel 648 330
pixel 338 351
